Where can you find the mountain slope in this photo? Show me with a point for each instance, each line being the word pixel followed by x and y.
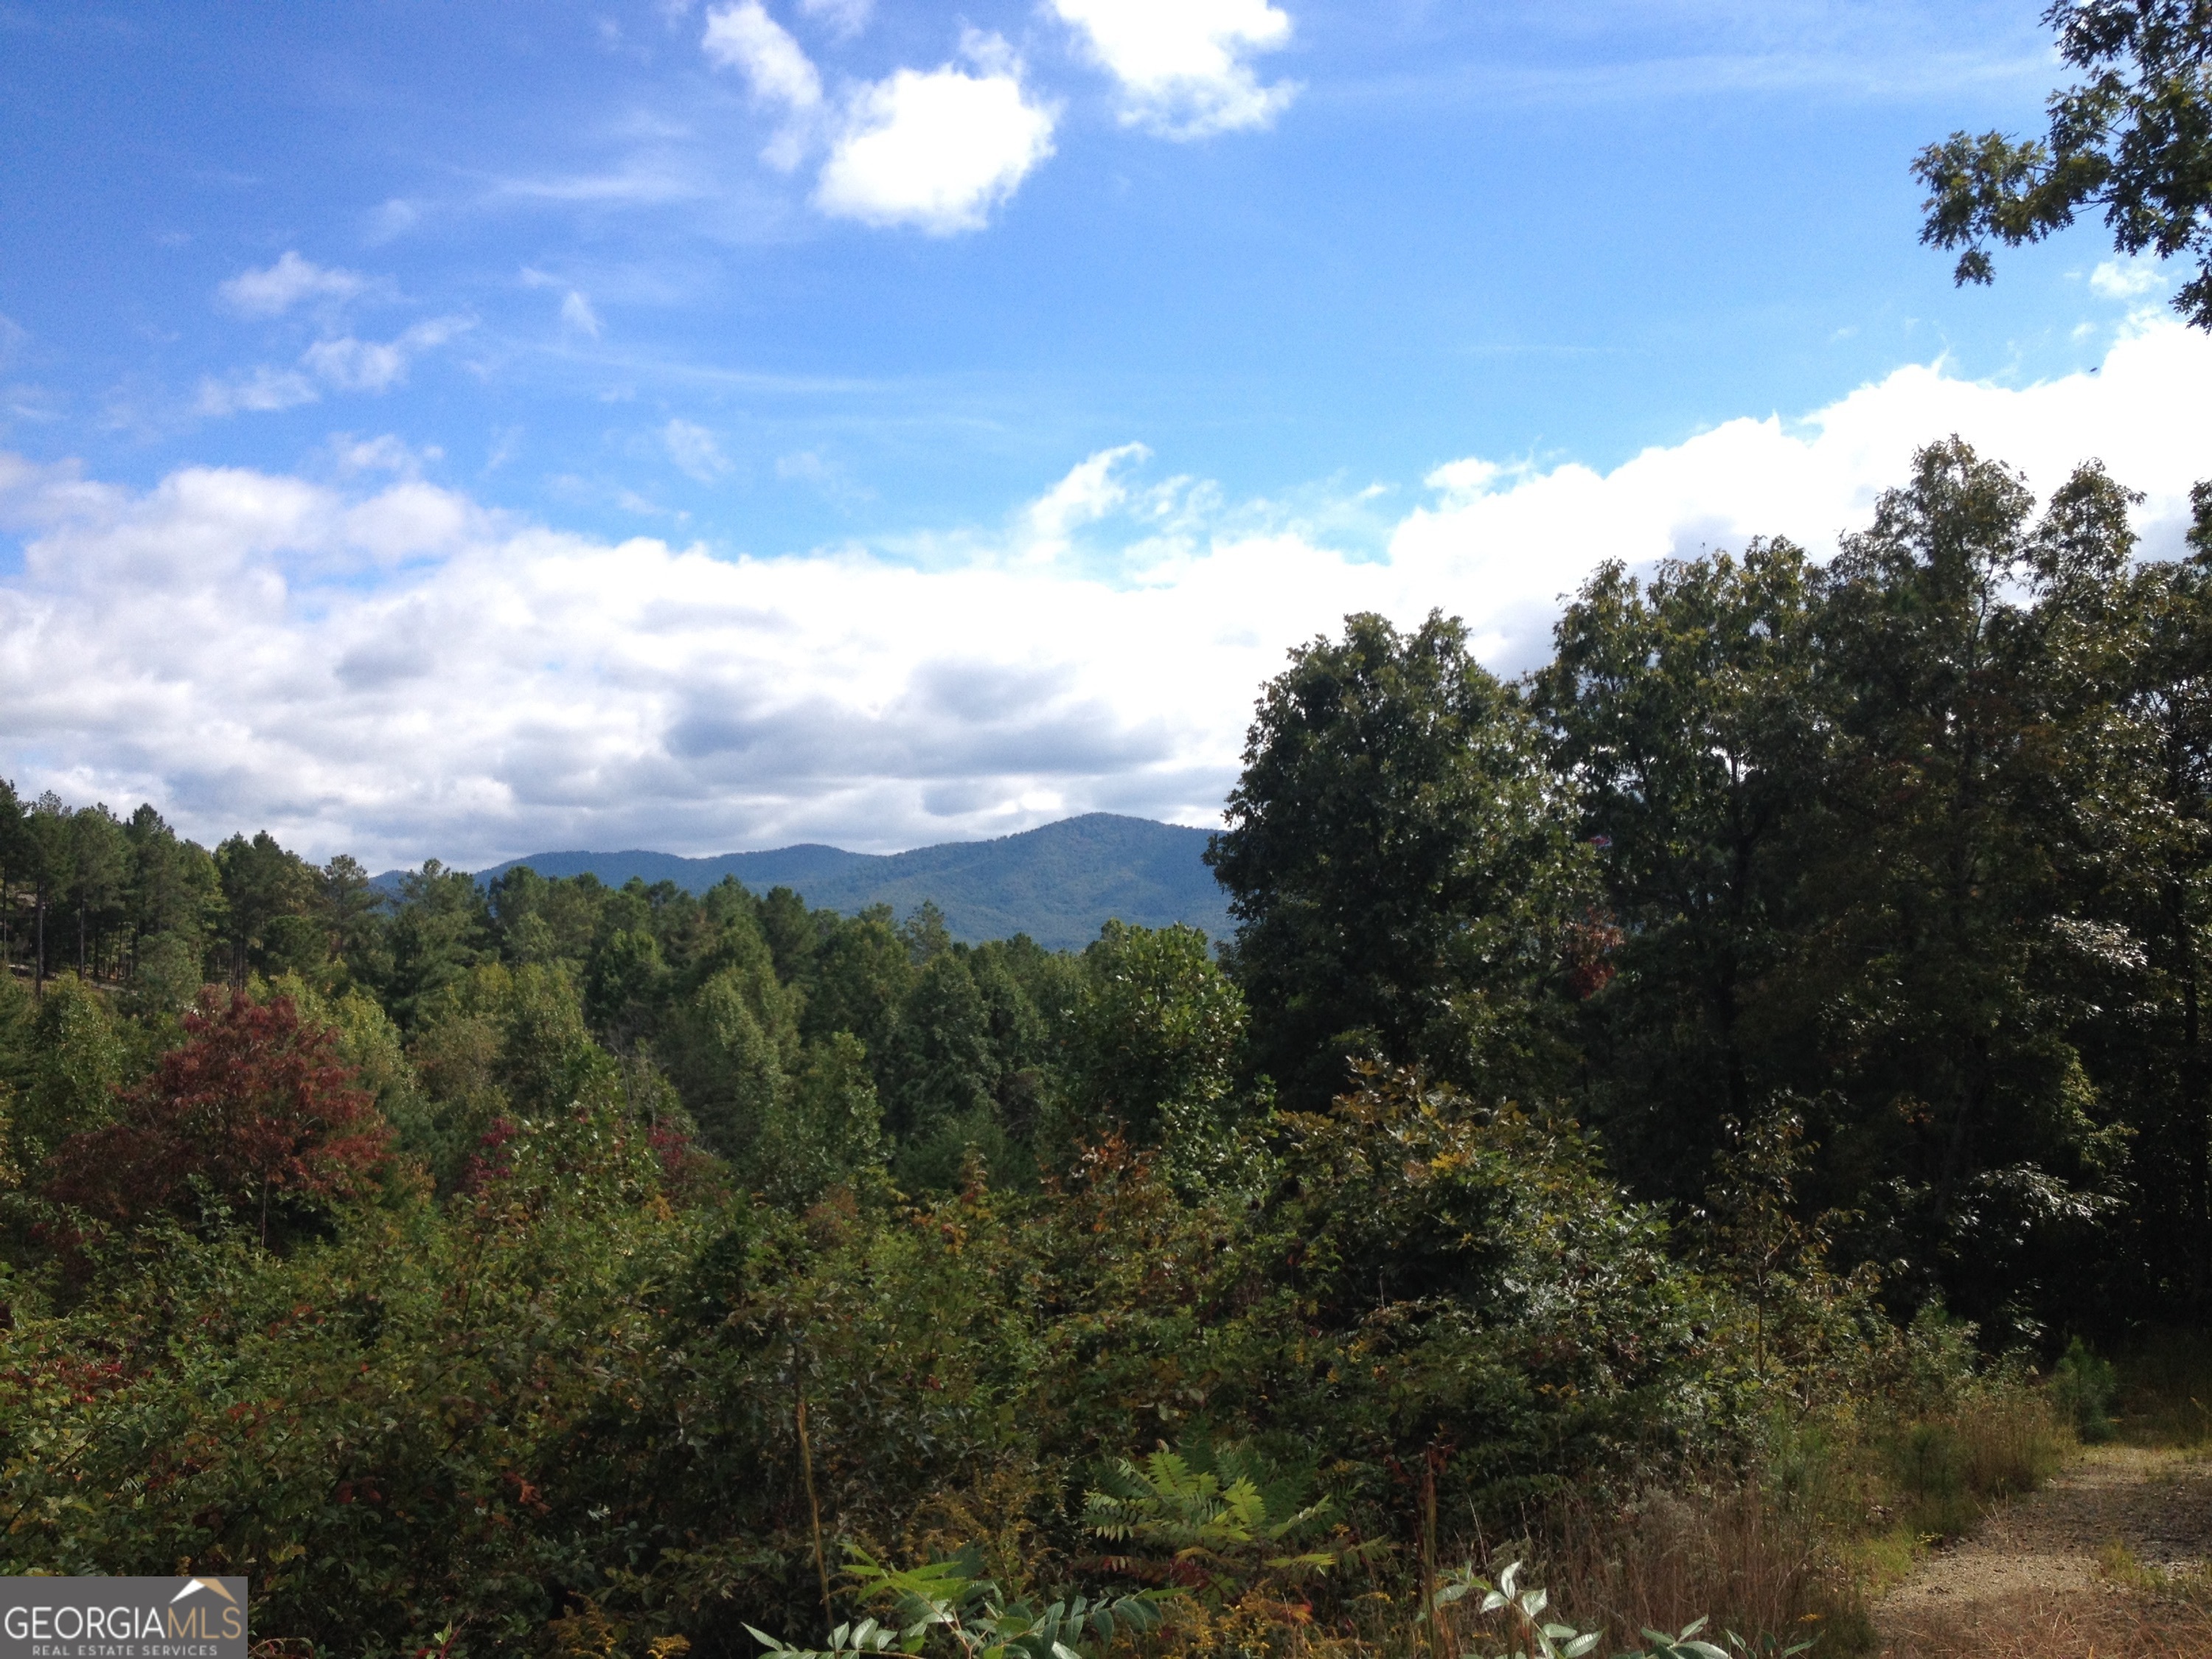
pixel 1059 884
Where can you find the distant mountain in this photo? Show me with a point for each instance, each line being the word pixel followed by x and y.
pixel 1059 885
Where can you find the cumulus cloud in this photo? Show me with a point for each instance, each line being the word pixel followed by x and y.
pixel 2126 279
pixel 272 291
pixel 1182 64
pixel 387 667
pixel 936 150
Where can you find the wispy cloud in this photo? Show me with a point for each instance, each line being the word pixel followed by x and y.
pixel 693 448
pixel 843 18
pixel 576 314
pixel 353 364
pixel 342 363
pixel 641 181
pixel 744 37
pixel 255 391
pixel 275 289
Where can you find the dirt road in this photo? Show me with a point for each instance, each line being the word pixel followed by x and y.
pixel 2029 1582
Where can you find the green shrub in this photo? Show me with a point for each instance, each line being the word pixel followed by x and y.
pixel 2082 1389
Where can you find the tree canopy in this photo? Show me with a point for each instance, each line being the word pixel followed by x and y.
pixel 2134 137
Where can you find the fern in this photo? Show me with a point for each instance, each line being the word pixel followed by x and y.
pixel 951 1597
pixel 1215 1515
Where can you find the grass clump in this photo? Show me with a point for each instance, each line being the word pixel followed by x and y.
pixel 2001 1443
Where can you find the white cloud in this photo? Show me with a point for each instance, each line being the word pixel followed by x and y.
pixel 1180 64
pixel 352 365
pixel 744 37
pixel 642 181
pixel 1087 494
pixel 693 451
pixel 936 150
pixel 388 668
pixel 2126 279
pixel 345 364
pixel 272 291
pixel 382 454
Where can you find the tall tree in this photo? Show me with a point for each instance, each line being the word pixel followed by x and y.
pixel 1679 713
pixel 440 929
pixel 940 1072
pixel 48 841
pixel 2138 819
pixel 262 882
pixel 16 855
pixel 1157 1031
pixel 98 870
pixel 1934 962
pixel 1402 866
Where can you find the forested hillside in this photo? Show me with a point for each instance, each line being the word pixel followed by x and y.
pixel 1059 882
pixel 1727 1064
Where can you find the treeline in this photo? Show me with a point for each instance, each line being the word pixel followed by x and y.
pixel 793 1043
pixel 1615 1075
pixel 1911 848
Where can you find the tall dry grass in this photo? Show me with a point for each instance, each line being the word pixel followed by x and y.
pixel 1727 1552
pixel 1948 1471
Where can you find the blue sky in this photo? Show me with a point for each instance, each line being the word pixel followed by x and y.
pixel 1079 303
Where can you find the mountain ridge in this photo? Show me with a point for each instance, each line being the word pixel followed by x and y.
pixel 1059 882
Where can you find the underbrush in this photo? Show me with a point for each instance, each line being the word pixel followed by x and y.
pixel 1740 1555
pixel 2164 1392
